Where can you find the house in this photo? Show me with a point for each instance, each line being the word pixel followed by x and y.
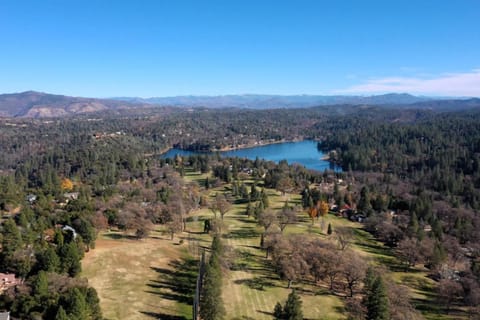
pixel 4 315
pixel 68 228
pixel 71 195
pixel 7 280
pixel 358 218
pixel 31 198
pixel 427 228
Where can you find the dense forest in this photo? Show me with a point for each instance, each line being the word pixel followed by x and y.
pixel 412 176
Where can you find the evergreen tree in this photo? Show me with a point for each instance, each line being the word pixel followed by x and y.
pixel 259 209
pixel 293 307
pixel 369 279
pixel 413 226
pixel 12 239
pixel 364 204
pixel 217 246
pixel 76 305
pixel 93 303
pixel 253 193
pixel 40 285
pixel 376 300
pixel 278 312
pixel 211 302
pixel 48 260
pixel 61 314
pixel 58 237
pixel 11 242
pixel 264 199
pixel 70 259
pixel 250 210
pixel 243 191
pixel 207 183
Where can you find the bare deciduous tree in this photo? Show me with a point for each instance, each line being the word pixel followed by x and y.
pixel 344 237
pixel 220 205
pixel 286 216
pixel 353 270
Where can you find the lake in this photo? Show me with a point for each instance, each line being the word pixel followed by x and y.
pixel 302 152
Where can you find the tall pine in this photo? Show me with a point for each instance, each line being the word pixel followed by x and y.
pixel 376 300
pixel 211 302
pixel 293 307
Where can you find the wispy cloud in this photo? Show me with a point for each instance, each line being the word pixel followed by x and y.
pixel 451 84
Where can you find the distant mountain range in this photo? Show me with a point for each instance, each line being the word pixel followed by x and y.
pixel 256 101
pixel 34 104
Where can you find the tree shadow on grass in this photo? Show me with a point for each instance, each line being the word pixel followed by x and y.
pixel 383 253
pixel 240 201
pixel 268 313
pixel 258 283
pixel 119 236
pixel 246 219
pixel 176 283
pixel 244 233
pixel 162 316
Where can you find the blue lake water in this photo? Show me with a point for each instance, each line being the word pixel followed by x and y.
pixel 302 152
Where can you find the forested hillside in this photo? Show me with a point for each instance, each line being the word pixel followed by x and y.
pixel 410 176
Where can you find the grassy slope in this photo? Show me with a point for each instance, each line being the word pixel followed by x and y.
pixel 134 278
pixel 154 278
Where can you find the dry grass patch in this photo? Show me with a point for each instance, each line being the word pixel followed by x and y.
pixel 124 271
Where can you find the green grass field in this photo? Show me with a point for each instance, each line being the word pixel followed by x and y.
pixel 155 278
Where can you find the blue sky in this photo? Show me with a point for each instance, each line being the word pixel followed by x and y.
pixel 164 48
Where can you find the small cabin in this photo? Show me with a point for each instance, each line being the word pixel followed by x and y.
pixel 7 280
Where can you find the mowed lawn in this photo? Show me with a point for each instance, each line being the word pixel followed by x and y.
pixel 155 278
pixel 252 289
pixel 135 278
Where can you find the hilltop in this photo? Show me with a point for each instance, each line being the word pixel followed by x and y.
pixel 264 101
pixel 32 104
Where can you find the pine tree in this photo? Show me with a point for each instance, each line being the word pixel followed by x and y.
pixel 364 203
pixel 253 193
pixel 217 246
pixel 40 285
pixel 264 199
pixel 250 210
pixel 413 226
pixel 207 183
pixel 377 301
pixel 11 242
pixel 12 239
pixel 61 314
pixel 329 229
pixel 77 305
pixel 278 312
pixel 259 209
pixel 211 302
pixel 93 303
pixel 70 257
pixel 369 279
pixel 293 307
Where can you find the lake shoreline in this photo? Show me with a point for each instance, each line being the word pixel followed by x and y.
pixel 257 144
pixel 303 152
pixel 260 143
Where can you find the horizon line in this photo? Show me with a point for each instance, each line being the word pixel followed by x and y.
pixel 244 94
